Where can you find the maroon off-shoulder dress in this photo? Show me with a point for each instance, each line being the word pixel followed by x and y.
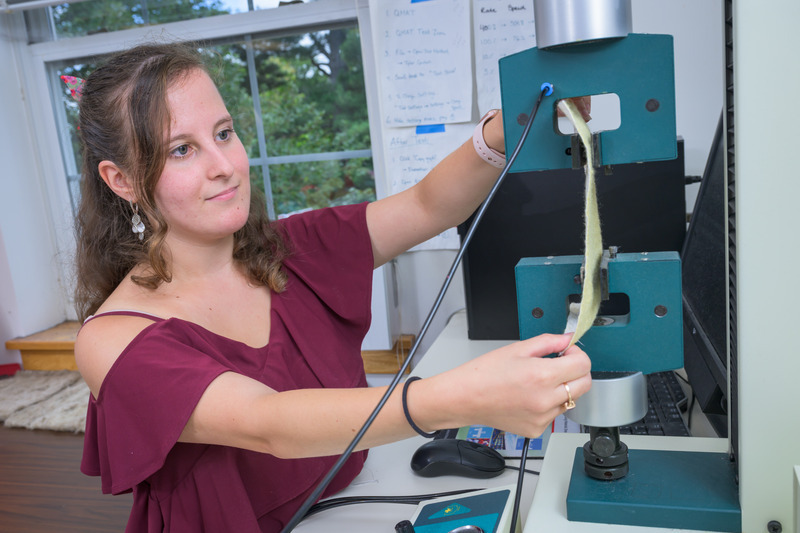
pixel 317 326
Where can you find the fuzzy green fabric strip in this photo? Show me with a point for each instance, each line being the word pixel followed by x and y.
pixel 593 245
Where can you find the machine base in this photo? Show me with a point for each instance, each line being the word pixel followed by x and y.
pixel 548 511
pixel 667 489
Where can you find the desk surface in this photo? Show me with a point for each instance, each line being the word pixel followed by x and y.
pixel 387 471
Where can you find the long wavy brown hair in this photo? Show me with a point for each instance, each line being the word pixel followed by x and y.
pixel 124 118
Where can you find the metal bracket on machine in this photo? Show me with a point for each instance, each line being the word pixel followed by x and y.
pixel 639 69
pixel 607 254
pixel 647 337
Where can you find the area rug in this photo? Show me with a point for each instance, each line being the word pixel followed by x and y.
pixel 44 399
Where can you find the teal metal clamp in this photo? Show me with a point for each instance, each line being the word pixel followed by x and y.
pixel 640 329
pixel 639 69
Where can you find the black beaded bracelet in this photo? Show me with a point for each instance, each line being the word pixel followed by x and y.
pixel 408 415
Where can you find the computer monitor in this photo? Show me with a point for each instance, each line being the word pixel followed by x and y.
pixel 704 276
pixel 537 214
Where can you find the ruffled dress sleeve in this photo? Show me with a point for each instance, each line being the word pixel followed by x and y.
pixel 326 308
pixel 145 402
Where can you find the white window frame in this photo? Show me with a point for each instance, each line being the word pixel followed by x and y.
pixel 291 18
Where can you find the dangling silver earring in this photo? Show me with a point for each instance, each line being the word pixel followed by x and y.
pixel 136 221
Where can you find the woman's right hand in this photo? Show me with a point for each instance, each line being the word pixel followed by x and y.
pixel 516 388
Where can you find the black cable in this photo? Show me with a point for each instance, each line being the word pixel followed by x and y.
pixel 317 492
pixel 518 496
pixel 534 472
pixel 414 499
pixel 404 500
pixel 691 402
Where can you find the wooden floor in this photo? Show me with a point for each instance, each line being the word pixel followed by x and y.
pixel 43 490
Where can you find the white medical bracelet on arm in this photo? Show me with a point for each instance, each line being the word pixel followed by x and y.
pixel 493 157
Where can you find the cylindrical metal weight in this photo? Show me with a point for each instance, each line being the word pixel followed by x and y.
pixel 615 399
pixel 561 22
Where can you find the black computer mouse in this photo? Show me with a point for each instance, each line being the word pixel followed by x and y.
pixel 454 457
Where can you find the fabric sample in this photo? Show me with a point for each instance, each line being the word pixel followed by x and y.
pixel 593 246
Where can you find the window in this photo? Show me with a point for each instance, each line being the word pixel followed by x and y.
pixel 81 18
pixel 309 143
pixel 306 130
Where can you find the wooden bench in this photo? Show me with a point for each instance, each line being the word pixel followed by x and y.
pixel 53 349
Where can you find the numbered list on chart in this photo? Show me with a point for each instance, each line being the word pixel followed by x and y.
pixel 425 66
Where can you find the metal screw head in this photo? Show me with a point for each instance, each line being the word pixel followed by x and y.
pixel 601 321
pixel 537 312
pixel 522 119
pixel 652 105
pixel 773 526
pixel 660 310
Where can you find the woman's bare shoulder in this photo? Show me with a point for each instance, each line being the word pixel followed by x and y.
pixel 105 335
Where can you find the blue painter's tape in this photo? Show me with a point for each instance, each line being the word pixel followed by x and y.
pixel 431 128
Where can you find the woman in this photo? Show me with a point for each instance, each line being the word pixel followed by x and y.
pixel 222 350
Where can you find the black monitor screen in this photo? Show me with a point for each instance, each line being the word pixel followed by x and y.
pixel 704 285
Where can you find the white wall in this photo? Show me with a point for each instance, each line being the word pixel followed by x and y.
pixel 697 28
pixel 419 280
pixel 8 307
pixel 31 295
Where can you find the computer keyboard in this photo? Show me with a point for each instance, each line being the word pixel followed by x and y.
pixel 665 398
